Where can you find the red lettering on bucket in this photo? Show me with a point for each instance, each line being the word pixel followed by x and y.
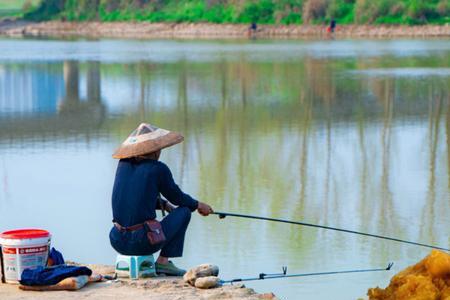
pixel 9 250
pixel 33 250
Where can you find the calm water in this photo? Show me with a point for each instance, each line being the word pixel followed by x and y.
pixel 353 134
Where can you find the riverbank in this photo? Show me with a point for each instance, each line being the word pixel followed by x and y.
pixel 211 31
pixel 163 288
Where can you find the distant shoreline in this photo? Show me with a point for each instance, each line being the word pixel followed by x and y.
pixel 212 31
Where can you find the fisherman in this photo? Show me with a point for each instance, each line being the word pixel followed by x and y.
pixel 252 30
pixel 332 26
pixel 140 178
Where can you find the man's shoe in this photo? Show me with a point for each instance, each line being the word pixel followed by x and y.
pixel 169 269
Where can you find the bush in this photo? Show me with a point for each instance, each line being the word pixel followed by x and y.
pixel 292 18
pixel 47 10
pixel 367 11
pixel 288 11
pixel 189 11
pixel 443 8
pixel 258 12
pixel 219 14
pixel 81 9
pixel 27 6
pixel 398 9
pixel 341 11
pixel 393 20
pixel 314 10
pixel 109 6
pixel 420 11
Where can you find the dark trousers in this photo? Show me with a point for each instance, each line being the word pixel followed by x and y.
pixel 174 226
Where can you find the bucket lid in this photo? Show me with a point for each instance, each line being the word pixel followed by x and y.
pixel 25 234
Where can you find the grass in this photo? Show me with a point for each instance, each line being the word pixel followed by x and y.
pixel 13 8
pixel 15 4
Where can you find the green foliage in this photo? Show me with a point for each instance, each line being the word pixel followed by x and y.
pixel 341 11
pixel 259 12
pixel 443 8
pixel 17 8
pixel 219 14
pixel 81 10
pixel 245 11
pixel 389 20
pixel 291 18
pixel 422 11
pixel 315 10
pixel 367 11
pixel 16 4
pixel 288 11
pixel 47 10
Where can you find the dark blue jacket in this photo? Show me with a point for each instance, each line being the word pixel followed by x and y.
pixel 136 188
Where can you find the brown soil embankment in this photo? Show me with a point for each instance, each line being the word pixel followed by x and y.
pixel 212 31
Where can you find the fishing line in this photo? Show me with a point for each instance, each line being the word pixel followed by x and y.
pixel 264 276
pixel 222 215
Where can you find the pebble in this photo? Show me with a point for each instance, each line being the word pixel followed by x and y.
pixel 207 282
pixel 200 271
pixel 267 296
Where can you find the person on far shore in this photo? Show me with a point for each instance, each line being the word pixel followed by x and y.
pixel 140 178
pixel 332 27
pixel 252 30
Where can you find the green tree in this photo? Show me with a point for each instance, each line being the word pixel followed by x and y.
pixel 46 10
pixel 259 12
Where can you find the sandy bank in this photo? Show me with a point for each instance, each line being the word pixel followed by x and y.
pixel 163 288
pixel 211 31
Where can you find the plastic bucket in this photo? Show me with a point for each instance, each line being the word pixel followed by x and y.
pixel 23 249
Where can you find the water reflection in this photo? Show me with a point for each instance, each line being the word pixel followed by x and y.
pixel 49 104
pixel 72 108
pixel 303 137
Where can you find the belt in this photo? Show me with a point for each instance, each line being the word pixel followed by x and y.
pixel 128 228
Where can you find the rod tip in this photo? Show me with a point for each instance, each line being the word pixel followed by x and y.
pixel 389 266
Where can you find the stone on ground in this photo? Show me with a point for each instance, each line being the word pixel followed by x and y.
pixel 207 282
pixel 200 271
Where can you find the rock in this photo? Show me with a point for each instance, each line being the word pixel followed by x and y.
pixel 267 296
pixel 207 282
pixel 203 270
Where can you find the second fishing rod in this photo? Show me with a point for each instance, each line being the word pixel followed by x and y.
pixel 222 215
pixel 263 276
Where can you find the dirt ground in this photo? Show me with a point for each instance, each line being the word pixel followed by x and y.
pixel 162 288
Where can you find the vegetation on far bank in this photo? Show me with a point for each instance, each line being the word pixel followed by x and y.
pixel 15 8
pixel 410 12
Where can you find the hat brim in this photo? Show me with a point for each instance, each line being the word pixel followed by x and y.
pixel 149 146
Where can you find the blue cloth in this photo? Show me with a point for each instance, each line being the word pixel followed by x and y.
pixel 136 188
pixel 174 227
pixel 56 257
pixel 51 275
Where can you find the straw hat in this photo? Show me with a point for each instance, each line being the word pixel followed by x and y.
pixel 147 139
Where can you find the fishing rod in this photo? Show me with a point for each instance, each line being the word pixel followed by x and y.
pixel 222 215
pixel 263 276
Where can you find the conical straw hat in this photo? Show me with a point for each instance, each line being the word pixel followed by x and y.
pixel 147 139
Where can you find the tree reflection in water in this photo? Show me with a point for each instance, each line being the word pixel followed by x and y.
pixel 302 138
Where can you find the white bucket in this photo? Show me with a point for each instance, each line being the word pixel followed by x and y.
pixel 23 249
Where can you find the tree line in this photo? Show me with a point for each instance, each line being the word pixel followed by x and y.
pixel 410 12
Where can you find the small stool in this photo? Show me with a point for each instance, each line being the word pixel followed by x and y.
pixel 136 267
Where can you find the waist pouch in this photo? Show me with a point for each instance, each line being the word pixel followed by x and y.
pixel 155 234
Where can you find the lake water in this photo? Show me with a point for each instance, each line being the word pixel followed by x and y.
pixel 352 133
